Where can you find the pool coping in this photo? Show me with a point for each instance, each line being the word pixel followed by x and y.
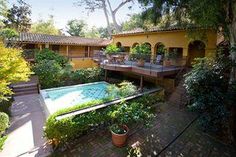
pixel 103 105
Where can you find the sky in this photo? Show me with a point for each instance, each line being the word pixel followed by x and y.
pixel 64 10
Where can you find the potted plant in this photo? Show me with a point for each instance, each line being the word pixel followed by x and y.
pixel 140 53
pixel 111 49
pixel 127 114
pixel 167 61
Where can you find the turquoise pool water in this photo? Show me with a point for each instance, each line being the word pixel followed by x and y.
pixel 63 97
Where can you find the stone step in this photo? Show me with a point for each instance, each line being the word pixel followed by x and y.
pixel 33 88
pixel 23 85
pixel 26 93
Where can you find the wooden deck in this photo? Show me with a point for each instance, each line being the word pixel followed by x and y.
pixel 148 70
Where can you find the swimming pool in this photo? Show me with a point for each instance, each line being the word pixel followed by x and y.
pixel 55 99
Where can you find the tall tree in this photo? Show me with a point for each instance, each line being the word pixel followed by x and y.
pixel 18 17
pixel 105 5
pixel 92 33
pixel 45 27
pixel 76 27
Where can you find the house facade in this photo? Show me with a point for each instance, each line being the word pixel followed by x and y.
pixel 179 39
pixel 79 50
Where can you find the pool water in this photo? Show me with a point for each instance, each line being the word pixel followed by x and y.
pixel 63 97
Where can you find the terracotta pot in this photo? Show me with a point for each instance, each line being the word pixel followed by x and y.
pixel 140 63
pixel 167 63
pixel 119 140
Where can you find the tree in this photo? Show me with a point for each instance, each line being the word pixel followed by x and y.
pixel 13 69
pixel 3 11
pixel 105 5
pixel 76 27
pixel 45 27
pixel 92 33
pixel 136 21
pixel 18 17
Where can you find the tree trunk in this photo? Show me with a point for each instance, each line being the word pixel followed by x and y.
pixel 113 15
pixel 232 37
pixel 107 18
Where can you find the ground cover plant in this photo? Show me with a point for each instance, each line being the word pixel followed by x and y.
pixel 4 124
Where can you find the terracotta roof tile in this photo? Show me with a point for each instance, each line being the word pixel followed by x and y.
pixel 140 30
pixel 57 39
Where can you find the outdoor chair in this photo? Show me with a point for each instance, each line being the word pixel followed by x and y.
pixel 159 59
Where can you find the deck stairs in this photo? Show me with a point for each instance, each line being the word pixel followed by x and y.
pixel 179 96
pixel 26 88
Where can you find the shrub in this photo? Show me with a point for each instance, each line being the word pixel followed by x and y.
pixel 87 75
pixel 49 72
pixel 47 54
pixel 142 51
pixel 110 49
pixel 64 130
pixel 123 89
pixel 4 122
pixel 5 106
pixel 2 141
pixel 207 85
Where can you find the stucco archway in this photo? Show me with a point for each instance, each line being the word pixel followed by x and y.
pixel 135 44
pixel 157 47
pixel 118 44
pixel 196 49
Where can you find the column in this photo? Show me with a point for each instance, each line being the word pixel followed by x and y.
pixel 67 50
pixel 141 83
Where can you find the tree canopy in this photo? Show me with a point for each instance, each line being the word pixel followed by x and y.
pixel 76 27
pixel 18 17
pixel 45 27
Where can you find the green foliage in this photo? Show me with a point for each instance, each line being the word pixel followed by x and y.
pixel 2 141
pixel 13 69
pixel 92 33
pixel 87 75
pixel 47 54
pixel 49 72
pixel 18 17
pixel 207 85
pixel 4 122
pixel 5 106
pixel 8 33
pixel 141 51
pixel 64 130
pixel 45 27
pixel 130 113
pixel 118 129
pixel 135 22
pixel 76 27
pixel 52 68
pixel 123 89
pixel 110 49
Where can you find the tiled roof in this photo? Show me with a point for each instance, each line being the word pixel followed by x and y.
pixel 140 30
pixel 57 39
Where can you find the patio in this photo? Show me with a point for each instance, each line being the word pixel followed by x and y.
pixel 169 136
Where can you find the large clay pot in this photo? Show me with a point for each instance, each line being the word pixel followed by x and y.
pixel 140 63
pixel 119 140
pixel 167 63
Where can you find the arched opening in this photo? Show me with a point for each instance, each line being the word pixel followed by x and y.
pixel 148 44
pixel 135 44
pixel 118 44
pixel 159 49
pixel 196 49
